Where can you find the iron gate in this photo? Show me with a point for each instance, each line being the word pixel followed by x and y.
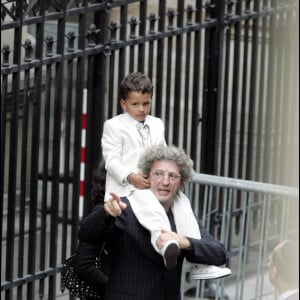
pixel 226 85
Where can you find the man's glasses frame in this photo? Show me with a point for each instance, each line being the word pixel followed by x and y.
pixel 158 174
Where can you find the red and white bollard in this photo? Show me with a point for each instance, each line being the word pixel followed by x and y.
pixel 82 152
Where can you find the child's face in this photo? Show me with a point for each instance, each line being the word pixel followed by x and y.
pixel 137 104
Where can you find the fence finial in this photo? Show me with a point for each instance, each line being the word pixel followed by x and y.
pixel 208 7
pixel 6 51
pixel 152 19
pixel 49 45
pixel 171 14
pixel 71 37
pixel 92 34
pixel 133 23
pixel 28 50
pixel 113 27
pixel 189 11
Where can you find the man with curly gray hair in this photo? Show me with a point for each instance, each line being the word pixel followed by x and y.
pixel 168 169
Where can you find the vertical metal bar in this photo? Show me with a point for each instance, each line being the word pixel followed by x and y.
pixel 270 96
pixel 208 162
pixel 4 92
pixel 55 195
pixel 35 125
pixel 263 242
pixel 122 52
pixel 186 85
pixel 205 204
pixel 150 59
pixel 285 113
pixel 142 32
pixel 67 172
pixel 195 128
pixel 168 80
pixel 131 58
pixel 111 86
pixel 45 170
pixel 13 146
pixel 219 85
pixel 160 65
pixel 247 200
pixel 224 236
pixel 252 129
pixel 230 217
pixel 235 97
pixel 244 89
pixel 132 49
pixel 210 206
pixel 178 75
pixel 279 100
pixel 223 150
pixel 4 135
pixel 261 96
pixel 23 178
pixel 152 20
pixel 95 108
pixel 243 108
pixel 240 275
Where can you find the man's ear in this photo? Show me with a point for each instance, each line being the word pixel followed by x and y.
pixel 273 271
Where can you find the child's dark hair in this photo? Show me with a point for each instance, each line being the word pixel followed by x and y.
pixel 98 183
pixel 137 82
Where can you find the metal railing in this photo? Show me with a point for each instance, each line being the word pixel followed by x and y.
pixel 249 218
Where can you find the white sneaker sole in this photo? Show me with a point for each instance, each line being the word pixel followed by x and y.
pixel 224 272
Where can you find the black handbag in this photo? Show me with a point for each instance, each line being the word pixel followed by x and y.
pixel 78 287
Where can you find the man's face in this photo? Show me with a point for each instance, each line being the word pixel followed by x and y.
pixel 137 105
pixel 165 181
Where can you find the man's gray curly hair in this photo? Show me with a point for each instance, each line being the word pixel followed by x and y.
pixel 171 153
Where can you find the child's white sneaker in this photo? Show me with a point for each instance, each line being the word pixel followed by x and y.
pixel 208 272
pixel 170 253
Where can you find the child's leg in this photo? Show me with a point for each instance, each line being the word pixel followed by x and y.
pixel 153 217
pixel 149 213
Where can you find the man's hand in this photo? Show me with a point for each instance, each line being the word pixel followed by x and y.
pixel 166 235
pixel 140 181
pixel 114 206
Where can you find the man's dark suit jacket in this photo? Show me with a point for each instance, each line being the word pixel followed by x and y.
pixel 137 270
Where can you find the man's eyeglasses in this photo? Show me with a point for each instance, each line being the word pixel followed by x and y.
pixel 158 174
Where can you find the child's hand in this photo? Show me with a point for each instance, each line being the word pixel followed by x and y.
pixel 140 181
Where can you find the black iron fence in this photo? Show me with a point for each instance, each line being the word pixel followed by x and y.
pixel 226 85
